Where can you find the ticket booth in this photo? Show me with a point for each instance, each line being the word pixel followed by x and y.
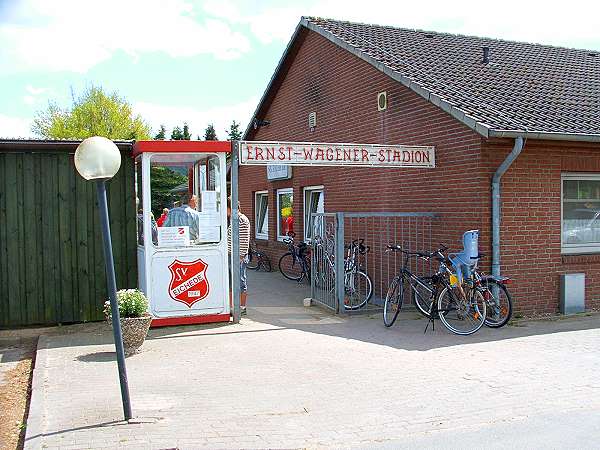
pixel 182 254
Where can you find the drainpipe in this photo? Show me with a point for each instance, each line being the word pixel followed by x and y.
pixel 496 203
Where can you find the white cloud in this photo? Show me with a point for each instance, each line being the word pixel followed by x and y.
pixel 75 35
pixel 197 119
pixel 531 21
pixel 35 94
pixel 15 127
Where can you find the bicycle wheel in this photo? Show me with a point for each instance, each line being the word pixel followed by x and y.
pixel 252 261
pixel 291 267
pixel 265 262
pixel 422 294
pixel 393 301
pixel 499 303
pixel 358 289
pixel 461 316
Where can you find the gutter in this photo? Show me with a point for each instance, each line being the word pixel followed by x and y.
pixel 496 213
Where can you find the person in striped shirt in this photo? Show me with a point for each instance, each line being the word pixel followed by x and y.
pixel 244 245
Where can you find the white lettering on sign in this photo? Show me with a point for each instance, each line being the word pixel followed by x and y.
pixel 323 154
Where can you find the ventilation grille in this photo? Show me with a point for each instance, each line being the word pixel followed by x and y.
pixel 312 120
pixel 382 101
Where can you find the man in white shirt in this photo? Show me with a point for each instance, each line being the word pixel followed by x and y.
pixel 185 215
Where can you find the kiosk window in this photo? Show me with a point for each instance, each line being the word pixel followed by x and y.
pixel 285 212
pixel 185 199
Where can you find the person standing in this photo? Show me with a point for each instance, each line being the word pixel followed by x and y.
pixel 185 215
pixel 244 225
pixel 163 217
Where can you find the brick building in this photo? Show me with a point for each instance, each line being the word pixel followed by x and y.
pixel 528 113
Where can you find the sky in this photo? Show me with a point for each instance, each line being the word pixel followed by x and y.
pixel 209 61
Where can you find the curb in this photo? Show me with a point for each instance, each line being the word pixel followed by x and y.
pixel 34 429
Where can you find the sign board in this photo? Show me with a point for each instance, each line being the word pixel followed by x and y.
pixel 324 154
pixel 278 172
pixel 173 236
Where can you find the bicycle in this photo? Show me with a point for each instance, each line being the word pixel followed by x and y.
pixel 436 296
pixel 258 259
pixel 493 289
pixel 295 265
pixel 496 295
pixel 358 286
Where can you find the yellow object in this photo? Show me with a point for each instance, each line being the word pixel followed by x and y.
pixel 453 280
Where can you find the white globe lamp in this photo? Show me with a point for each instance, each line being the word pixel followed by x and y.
pixel 97 158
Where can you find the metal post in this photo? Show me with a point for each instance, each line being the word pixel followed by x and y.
pixel 339 262
pixel 112 294
pixel 235 233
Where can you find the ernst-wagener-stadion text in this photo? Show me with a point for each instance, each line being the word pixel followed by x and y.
pixel 295 153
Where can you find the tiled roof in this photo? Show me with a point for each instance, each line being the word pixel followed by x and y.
pixel 524 87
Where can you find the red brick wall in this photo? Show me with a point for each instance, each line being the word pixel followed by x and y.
pixel 531 221
pixel 342 90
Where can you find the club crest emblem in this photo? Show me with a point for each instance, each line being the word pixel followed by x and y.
pixel 188 281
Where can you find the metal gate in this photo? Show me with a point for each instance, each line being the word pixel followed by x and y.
pixel 348 280
pixel 323 286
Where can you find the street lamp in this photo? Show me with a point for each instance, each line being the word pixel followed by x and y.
pixel 99 159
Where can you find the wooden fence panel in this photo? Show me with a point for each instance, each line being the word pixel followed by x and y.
pixel 51 259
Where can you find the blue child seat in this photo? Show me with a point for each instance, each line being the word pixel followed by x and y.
pixel 466 260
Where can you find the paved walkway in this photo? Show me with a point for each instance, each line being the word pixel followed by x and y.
pixel 295 377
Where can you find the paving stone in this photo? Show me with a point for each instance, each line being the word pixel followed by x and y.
pixel 314 381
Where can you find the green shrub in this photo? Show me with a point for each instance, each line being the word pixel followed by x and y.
pixel 132 303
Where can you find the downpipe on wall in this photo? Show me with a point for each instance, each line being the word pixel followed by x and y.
pixel 496 199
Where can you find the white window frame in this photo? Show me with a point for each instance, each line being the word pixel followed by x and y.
pixel 567 249
pixel 282 191
pixel 307 189
pixel 258 235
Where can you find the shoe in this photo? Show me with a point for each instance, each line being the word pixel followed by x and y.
pixel 242 310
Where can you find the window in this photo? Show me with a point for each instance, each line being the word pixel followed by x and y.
pixel 185 200
pixel 313 203
pixel 580 213
pixel 261 215
pixel 285 212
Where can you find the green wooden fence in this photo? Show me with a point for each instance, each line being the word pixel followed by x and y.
pixel 51 260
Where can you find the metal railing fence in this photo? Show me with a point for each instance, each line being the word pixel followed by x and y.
pixel 350 281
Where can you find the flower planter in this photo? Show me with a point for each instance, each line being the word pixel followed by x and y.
pixel 134 331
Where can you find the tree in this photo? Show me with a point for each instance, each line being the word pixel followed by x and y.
pixel 163 180
pixel 210 134
pixel 186 136
pixel 234 133
pixel 181 135
pixel 94 113
pixel 160 136
pixel 176 134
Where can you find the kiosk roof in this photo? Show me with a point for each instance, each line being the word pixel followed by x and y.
pixel 181 147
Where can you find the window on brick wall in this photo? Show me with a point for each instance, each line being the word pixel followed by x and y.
pixel 261 215
pixel 285 212
pixel 313 203
pixel 580 213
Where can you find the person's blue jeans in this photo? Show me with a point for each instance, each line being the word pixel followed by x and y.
pixel 243 275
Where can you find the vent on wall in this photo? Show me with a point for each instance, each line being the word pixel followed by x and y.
pixel 312 120
pixel 382 101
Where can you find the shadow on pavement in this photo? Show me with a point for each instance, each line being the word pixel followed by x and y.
pixel 278 302
pixel 275 303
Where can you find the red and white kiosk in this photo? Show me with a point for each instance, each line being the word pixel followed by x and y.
pixel 183 268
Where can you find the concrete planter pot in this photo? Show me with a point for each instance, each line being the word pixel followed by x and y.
pixel 134 331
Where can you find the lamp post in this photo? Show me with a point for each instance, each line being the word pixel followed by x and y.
pixel 99 159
